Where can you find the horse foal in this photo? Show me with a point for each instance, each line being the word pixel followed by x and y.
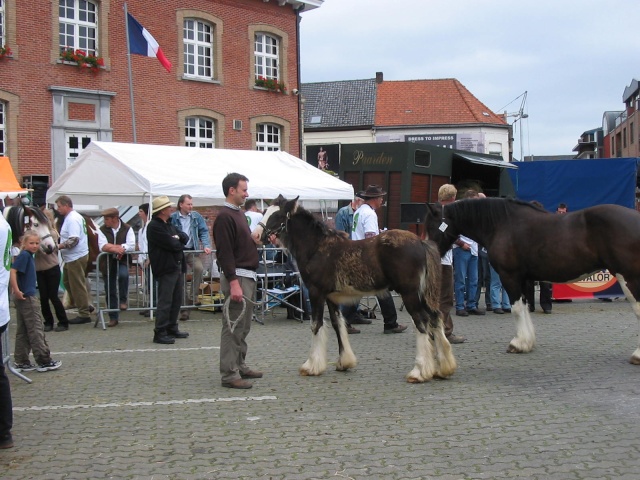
pixel 337 271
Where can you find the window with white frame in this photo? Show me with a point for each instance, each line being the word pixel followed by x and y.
pixel 78 25
pixel 3 41
pixel 198 49
pixel 268 137
pixel 266 54
pixel 199 132
pixel 76 142
pixel 3 129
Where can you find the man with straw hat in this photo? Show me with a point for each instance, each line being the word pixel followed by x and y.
pixel 166 255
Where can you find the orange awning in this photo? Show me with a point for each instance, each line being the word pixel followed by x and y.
pixel 8 183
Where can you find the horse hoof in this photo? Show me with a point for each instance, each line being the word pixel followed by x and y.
pixel 634 361
pixel 512 349
pixel 308 373
pixel 412 379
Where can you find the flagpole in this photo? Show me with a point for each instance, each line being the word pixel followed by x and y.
pixel 133 110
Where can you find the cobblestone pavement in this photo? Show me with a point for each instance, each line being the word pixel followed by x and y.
pixel 122 407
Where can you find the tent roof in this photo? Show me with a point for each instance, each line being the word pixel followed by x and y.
pixel 8 183
pixel 110 173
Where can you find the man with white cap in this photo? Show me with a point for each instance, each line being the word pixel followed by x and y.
pixel 166 255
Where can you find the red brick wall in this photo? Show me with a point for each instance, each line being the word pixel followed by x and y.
pixel 82 111
pixel 159 95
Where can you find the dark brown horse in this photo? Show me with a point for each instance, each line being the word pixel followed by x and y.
pixel 337 271
pixel 528 243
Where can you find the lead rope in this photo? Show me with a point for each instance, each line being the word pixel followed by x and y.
pixel 225 311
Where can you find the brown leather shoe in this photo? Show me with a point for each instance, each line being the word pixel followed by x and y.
pixel 113 323
pixel 352 330
pixel 398 329
pixel 123 306
pixel 238 383
pixel 456 339
pixel 184 315
pixel 251 374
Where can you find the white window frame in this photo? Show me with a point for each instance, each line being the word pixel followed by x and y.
pixel 205 135
pixel 84 138
pixel 84 34
pixel 3 129
pixel 198 50
pixel 268 137
pixel 267 56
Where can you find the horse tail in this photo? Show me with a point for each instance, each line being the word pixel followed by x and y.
pixel 430 280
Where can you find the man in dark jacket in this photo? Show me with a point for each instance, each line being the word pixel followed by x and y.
pixel 166 255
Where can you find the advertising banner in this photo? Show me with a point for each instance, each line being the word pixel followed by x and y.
pixel 601 284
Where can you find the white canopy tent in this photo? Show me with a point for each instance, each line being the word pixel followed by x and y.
pixel 110 173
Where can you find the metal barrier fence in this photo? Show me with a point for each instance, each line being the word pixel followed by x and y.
pixel 141 294
pixel 201 284
pixel 6 357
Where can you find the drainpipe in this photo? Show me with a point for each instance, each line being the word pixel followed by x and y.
pixel 301 153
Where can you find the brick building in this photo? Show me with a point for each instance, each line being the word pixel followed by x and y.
pixel 50 108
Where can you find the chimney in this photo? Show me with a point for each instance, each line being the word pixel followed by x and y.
pixel 379 77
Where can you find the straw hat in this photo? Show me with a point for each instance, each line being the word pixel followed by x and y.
pixel 111 212
pixel 372 191
pixel 160 203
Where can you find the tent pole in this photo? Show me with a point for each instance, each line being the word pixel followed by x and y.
pixel 133 110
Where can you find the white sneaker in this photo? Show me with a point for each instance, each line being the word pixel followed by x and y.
pixel 52 365
pixel 25 367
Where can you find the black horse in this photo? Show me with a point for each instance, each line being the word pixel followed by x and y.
pixel 337 270
pixel 528 243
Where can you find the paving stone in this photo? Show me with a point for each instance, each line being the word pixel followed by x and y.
pixel 123 407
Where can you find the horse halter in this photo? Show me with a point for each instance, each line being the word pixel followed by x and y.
pixel 279 229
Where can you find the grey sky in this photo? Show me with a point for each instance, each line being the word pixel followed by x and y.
pixel 574 58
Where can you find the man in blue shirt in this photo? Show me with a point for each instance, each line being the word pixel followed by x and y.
pixel 192 223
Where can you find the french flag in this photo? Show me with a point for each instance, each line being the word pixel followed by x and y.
pixel 141 42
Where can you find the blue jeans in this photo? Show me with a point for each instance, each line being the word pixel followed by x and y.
pixel 465 278
pixel 484 278
pixel 499 297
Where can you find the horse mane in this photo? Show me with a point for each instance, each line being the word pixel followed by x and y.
pixel 40 215
pixel 316 225
pixel 490 211
pixel 14 216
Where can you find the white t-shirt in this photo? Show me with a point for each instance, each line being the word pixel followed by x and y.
pixel 143 245
pixel 447 258
pixel 253 218
pixel 472 244
pixel 74 226
pixel 364 220
pixel 5 269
